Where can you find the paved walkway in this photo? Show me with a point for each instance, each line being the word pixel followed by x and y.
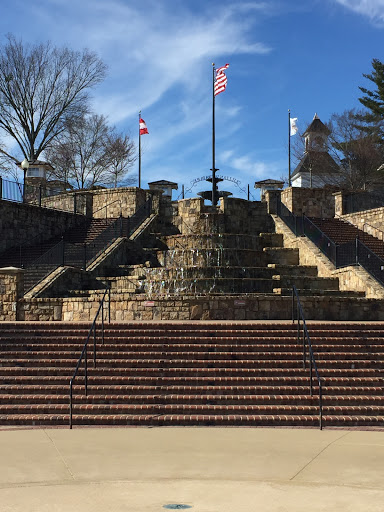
pixel 210 469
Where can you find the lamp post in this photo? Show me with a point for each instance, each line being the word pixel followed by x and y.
pixel 24 166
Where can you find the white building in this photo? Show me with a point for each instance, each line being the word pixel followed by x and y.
pixel 317 168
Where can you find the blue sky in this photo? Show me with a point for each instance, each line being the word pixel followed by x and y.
pixel 306 55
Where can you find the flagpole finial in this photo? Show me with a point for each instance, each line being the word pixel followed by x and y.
pixel 213 63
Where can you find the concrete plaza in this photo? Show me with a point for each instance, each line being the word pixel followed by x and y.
pixel 209 469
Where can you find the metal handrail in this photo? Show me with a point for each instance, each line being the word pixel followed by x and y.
pixel 375 228
pixel 83 354
pixel 307 342
pixel 140 215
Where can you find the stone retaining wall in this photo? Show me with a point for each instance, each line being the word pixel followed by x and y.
pixel 370 221
pixel 20 223
pixel 261 307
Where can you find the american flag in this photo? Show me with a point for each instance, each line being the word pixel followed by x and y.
pixel 143 127
pixel 221 80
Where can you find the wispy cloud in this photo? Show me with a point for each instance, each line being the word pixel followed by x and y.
pixel 153 46
pixel 372 9
pixel 250 167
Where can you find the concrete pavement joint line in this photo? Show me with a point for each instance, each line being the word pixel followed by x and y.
pixel 320 452
pixel 61 457
pixel 151 481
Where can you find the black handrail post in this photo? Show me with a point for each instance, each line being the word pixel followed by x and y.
pixel 62 251
pixel 40 193
pixel 310 376
pixel 70 403
pixel 121 225
pixel 293 306
pixel 84 355
pixel 1 187
pixel 85 257
pixel 357 251
pixel 109 304
pixel 94 347
pixel 102 323
pixel 75 203
pixel 86 370
pixel 312 361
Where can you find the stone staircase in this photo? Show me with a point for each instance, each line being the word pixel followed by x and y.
pixel 186 374
pixel 342 232
pixel 32 257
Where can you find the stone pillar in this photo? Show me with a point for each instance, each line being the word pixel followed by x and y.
pixel 339 201
pixel 272 197
pixel 11 290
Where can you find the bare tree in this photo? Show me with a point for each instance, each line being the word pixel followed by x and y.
pixel 359 152
pixel 41 88
pixel 121 156
pixel 90 153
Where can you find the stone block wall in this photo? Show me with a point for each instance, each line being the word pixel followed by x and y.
pixel 262 307
pixel 312 202
pixel 370 221
pixel 20 223
pixel 73 202
pixel 113 202
pixel 11 289
pixel 247 217
pixel 233 215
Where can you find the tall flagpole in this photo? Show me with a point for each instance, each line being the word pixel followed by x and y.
pixel 214 199
pixel 289 148
pixel 139 151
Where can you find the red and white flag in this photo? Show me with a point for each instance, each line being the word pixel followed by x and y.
pixel 221 80
pixel 143 127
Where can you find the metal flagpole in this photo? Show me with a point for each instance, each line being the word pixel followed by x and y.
pixel 289 148
pixel 214 199
pixel 139 151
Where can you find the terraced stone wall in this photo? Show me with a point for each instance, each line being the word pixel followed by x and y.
pixel 233 215
pixel 20 223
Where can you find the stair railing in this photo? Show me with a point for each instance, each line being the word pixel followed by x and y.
pixel 141 214
pixel 106 208
pixel 341 255
pixel 306 342
pixel 84 353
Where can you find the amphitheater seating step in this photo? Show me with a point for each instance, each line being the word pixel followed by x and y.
pixel 342 232
pixel 173 373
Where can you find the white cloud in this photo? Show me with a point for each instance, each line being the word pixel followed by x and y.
pixel 251 168
pixel 373 9
pixel 153 46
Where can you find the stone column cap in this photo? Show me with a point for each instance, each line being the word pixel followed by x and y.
pixel 10 270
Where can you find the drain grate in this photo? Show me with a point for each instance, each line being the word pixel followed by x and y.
pixel 176 506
